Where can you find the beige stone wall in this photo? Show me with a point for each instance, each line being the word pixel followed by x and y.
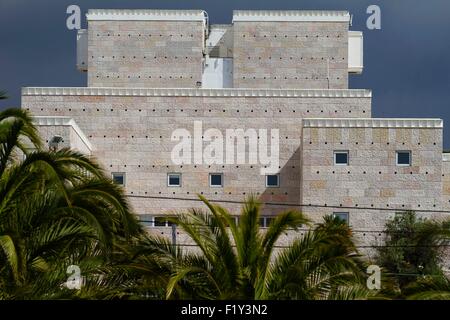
pixel 133 135
pixel 145 53
pixel 48 132
pixel 290 54
pixel 446 185
pixel 372 179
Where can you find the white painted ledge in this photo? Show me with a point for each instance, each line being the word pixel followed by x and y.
pixel 194 92
pixel 145 15
pixel 372 123
pixel 355 52
pixel 446 157
pixel 82 50
pixel 63 121
pixel 291 15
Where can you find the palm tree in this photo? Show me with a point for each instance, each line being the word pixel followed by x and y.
pixel 241 261
pixel 56 209
pixel 429 287
pixel 143 269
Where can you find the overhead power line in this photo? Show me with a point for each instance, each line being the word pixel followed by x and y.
pixel 280 204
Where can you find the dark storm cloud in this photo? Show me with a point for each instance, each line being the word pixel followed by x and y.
pixel 407 63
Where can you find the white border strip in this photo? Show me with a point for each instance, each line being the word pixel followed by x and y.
pixel 446 157
pixel 145 15
pixel 372 123
pixel 193 92
pixel 295 16
pixel 62 121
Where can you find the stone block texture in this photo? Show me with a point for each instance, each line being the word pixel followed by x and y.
pixel 70 138
pixel 372 178
pixel 290 54
pixel 133 135
pixel 145 53
pixel 286 74
pixel 446 184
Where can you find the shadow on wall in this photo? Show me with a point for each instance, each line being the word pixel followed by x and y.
pixel 289 191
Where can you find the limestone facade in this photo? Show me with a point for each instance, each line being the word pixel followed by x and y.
pixel 128 117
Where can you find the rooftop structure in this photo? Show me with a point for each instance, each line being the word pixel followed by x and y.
pixel 274 76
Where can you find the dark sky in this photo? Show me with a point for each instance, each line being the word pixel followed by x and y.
pixel 407 62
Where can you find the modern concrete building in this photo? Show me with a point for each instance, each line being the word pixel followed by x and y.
pixel 159 79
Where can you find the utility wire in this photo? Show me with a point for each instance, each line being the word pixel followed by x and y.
pixel 304 205
pixel 298 229
pixel 360 246
pixel 290 204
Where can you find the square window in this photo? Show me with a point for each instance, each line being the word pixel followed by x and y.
pixel 262 222
pixel 118 178
pixel 403 158
pixel 160 222
pixel 343 216
pixel 273 180
pixel 174 180
pixel 146 220
pixel 215 180
pixel 341 158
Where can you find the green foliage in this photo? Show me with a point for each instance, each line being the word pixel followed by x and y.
pixel 429 287
pixel 414 249
pixel 56 209
pixel 242 261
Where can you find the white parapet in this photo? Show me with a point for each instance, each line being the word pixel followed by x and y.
pixel 291 15
pixel 63 121
pixel 194 92
pixel 146 15
pixel 372 123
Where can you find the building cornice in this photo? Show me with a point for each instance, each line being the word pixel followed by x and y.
pixel 62 121
pixel 294 15
pixel 145 15
pixel 372 123
pixel 194 92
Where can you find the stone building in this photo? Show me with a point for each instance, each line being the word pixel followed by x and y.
pixel 275 76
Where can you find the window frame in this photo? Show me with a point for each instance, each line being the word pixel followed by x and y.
pixel 278 180
pixel 335 152
pixel 335 214
pixel 119 173
pixel 147 220
pixel 267 220
pixel 167 223
pixel 172 174
pixel 397 152
pixel 221 180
